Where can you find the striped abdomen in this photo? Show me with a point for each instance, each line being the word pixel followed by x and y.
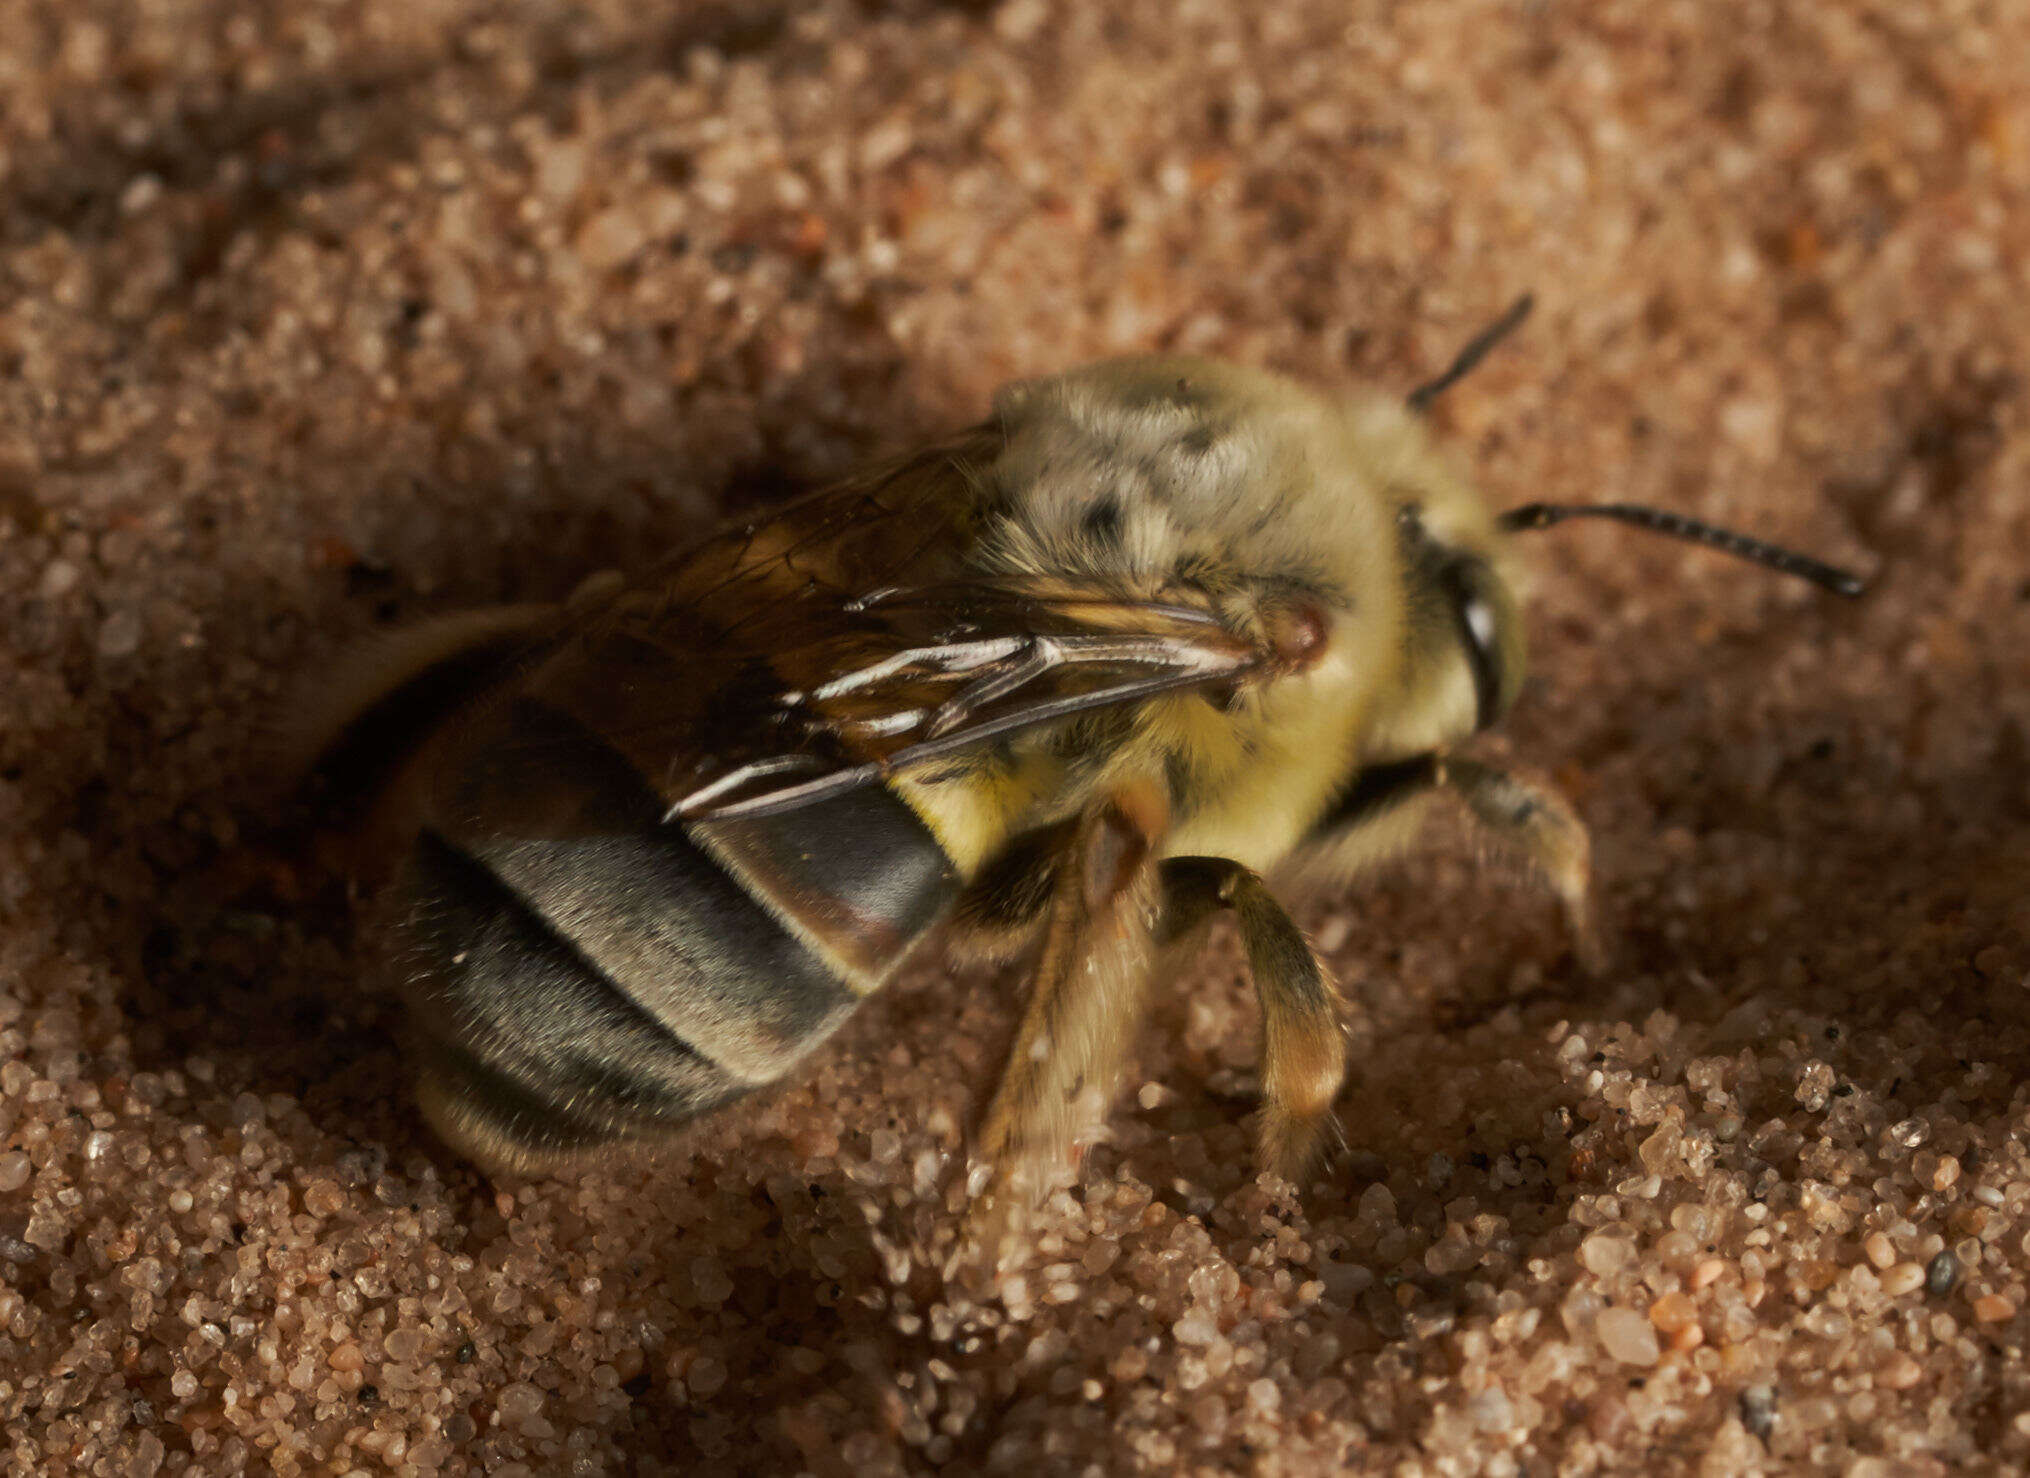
pixel 580 970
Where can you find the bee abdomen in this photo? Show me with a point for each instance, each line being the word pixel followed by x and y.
pixel 529 1050
pixel 582 970
pixel 368 718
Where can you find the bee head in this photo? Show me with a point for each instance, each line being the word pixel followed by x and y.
pixel 1479 605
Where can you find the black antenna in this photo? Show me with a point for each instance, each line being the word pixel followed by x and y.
pixel 1677 526
pixel 1476 350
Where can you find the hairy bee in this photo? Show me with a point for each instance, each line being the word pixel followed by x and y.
pixel 1068 683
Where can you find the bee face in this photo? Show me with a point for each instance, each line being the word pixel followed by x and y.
pixel 1066 685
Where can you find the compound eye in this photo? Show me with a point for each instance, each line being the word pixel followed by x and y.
pixel 1478 617
pixel 1480 635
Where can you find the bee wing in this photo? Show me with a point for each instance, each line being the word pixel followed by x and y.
pixel 838 639
pixel 901 677
pixel 910 518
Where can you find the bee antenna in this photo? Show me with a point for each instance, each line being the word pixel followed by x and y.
pixel 1677 526
pixel 1476 350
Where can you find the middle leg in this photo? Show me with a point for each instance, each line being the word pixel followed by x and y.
pixel 1303 1041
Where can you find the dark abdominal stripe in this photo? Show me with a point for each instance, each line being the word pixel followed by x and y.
pixel 506 1001
pixel 610 971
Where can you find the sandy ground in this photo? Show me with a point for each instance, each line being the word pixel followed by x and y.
pixel 316 317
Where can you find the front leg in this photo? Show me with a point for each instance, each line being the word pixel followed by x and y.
pixel 1532 819
pixel 1303 1041
pixel 1512 811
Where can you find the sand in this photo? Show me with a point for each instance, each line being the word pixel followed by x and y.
pixel 318 317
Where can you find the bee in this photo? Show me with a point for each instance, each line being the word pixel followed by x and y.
pixel 1157 640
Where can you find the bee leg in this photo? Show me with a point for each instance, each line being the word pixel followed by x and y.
pixel 1303 1043
pixel 1528 817
pixel 1090 978
pixel 1513 811
pixel 998 913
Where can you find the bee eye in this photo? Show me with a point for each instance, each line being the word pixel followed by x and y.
pixel 1479 619
pixel 1480 635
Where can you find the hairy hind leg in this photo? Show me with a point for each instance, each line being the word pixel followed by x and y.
pixel 1091 979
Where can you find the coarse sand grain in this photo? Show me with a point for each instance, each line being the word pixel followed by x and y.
pixel 317 317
